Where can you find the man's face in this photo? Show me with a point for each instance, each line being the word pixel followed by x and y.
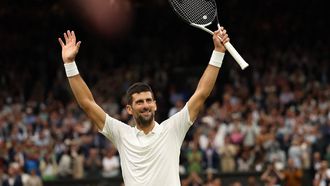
pixel 143 108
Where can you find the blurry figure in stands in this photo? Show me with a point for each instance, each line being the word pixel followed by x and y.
pixel 34 179
pixel 194 157
pixel 322 177
pixel 48 167
pixel 64 165
pixel 236 183
pixel 77 160
pixel 179 104
pixel 211 180
pixel 292 175
pixel 14 178
pixel 252 181
pixel 110 163
pixel 93 164
pixel 227 155
pixel 192 180
pixel 210 158
pixel 271 177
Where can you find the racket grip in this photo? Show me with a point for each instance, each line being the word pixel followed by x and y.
pixel 242 63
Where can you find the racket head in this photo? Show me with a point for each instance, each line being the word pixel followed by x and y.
pixel 198 12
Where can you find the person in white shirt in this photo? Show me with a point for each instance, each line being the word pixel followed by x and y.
pixel 110 163
pixel 149 152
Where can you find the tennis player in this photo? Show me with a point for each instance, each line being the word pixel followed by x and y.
pixel 149 152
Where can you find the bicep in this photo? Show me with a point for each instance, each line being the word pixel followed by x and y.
pixel 194 106
pixel 96 114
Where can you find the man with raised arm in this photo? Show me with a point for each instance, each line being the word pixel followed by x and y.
pixel 149 152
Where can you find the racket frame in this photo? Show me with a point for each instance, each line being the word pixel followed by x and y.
pixel 238 58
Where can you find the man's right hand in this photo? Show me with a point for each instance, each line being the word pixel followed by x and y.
pixel 70 48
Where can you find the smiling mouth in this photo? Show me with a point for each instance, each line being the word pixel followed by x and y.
pixel 146 113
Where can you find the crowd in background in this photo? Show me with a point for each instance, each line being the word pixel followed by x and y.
pixel 273 118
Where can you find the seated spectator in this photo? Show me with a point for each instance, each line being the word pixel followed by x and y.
pixel 227 156
pixel 34 179
pixel 322 176
pixel 93 164
pixel 194 157
pixel 271 176
pixel 110 163
pixel 192 180
pixel 292 175
pixel 48 167
pixel 14 178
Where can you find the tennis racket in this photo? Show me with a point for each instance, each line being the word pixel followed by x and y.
pixel 200 14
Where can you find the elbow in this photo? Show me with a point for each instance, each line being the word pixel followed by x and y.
pixel 85 105
pixel 203 95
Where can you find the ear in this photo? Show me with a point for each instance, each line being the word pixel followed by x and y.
pixel 129 109
pixel 155 105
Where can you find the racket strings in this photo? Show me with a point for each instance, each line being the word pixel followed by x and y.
pixel 200 12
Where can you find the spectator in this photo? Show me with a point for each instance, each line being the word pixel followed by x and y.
pixel 64 166
pixel 77 161
pixel 48 167
pixel 271 176
pixel 252 181
pixel 93 164
pixel 211 180
pixel 210 158
pixel 322 176
pixel 192 180
pixel 3 175
pixel 227 155
pixel 14 178
pixel 194 157
pixel 292 175
pixel 34 179
pixel 110 163
pixel 236 183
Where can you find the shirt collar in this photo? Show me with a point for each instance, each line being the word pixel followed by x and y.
pixel 155 130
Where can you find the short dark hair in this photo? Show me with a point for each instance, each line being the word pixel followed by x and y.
pixel 137 88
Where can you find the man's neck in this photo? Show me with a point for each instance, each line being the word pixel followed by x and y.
pixel 146 129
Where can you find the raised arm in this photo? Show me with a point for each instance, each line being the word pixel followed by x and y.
pixel 79 88
pixel 209 77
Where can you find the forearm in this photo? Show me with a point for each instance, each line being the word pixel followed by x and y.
pixel 80 91
pixel 205 85
pixel 85 98
pixel 207 82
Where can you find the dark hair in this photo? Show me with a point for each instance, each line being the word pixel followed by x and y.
pixel 137 88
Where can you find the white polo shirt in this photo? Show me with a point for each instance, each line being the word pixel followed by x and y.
pixel 152 159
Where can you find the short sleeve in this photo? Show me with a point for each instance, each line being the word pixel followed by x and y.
pixel 179 123
pixel 113 129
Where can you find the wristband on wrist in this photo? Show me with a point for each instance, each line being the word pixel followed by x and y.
pixel 216 58
pixel 71 69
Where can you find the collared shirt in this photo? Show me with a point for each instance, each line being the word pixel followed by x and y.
pixel 149 159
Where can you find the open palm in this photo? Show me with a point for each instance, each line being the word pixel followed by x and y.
pixel 70 48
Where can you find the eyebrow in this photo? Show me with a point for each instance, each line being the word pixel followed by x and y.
pixel 141 100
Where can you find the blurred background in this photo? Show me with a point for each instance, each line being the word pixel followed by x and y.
pixel 267 124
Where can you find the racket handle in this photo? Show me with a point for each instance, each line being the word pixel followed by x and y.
pixel 242 63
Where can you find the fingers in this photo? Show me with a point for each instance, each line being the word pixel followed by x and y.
pixel 222 34
pixel 78 44
pixel 69 37
pixel 66 38
pixel 69 33
pixel 73 36
pixel 61 42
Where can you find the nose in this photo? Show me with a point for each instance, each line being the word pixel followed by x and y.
pixel 145 105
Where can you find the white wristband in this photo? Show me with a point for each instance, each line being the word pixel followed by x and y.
pixel 216 58
pixel 71 69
